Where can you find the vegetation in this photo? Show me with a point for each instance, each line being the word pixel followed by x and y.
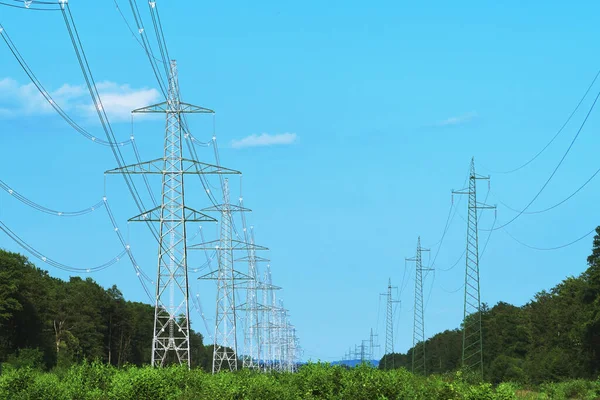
pixel 553 338
pixel 76 340
pixel 46 322
pixel 315 381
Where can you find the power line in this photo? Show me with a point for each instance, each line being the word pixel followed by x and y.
pixel 557 204
pixel 557 133
pixel 93 90
pixel 550 248
pixel 31 8
pixel 556 168
pixel 26 246
pixel 47 210
pixel 48 97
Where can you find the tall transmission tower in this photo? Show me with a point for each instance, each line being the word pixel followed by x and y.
pixel 225 346
pixel 170 339
pixel 472 348
pixel 389 324
pixel 418 353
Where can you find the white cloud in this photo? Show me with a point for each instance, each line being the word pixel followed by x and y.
pixel 457 120
pixel 118 100
pixel 264 140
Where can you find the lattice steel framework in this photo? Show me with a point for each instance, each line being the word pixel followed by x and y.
pixel 372 345
pixel 472 348
pixel 418 350
pixel 252 331
pixel 266 320
pixel 170 339
pixel 389 325
pixel 225 346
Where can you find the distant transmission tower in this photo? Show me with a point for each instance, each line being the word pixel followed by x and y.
pixel 225 346
pixel 418 354
pixel 372 345
pixel 389 324
pixel 472 349
pixel 170 339
pixel 252 339
pixel 268 320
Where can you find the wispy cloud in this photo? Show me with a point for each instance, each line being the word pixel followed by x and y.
pixel 457 120
pixel 264 140
pixel 118 100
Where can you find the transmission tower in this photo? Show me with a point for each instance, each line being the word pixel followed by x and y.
pixel 225 346
pixel 472 349
pixel 268 320
pixel 389 324
pixel 372 345
pixel 280 327
pixel 252 347
pixel 418 351
pixel 170 339
pixel 364 350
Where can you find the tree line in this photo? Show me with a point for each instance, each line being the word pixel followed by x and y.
pixel 46 322
pixel 554 337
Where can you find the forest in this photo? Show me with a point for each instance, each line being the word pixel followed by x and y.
pixel 46 322
pixel 552 338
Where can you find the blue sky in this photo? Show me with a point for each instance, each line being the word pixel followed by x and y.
pixel 382 108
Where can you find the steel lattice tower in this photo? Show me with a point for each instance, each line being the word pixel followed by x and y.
pixel 267 340
pixel 472 349
pixel 418 351
pixel 225 346
pixel 251 308
pixel 389 323
pixel 372 345
pixel 267 317
pixel 170 340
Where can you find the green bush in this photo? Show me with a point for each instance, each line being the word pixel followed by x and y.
pixel 97 381
pixel 15 383
pixel 47 387
pixel 27 358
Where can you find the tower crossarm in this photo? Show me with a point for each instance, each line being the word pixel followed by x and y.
pixel 168 166
pixel 235 245
pixel 156 215
pixel 214 275
pixel 167 107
